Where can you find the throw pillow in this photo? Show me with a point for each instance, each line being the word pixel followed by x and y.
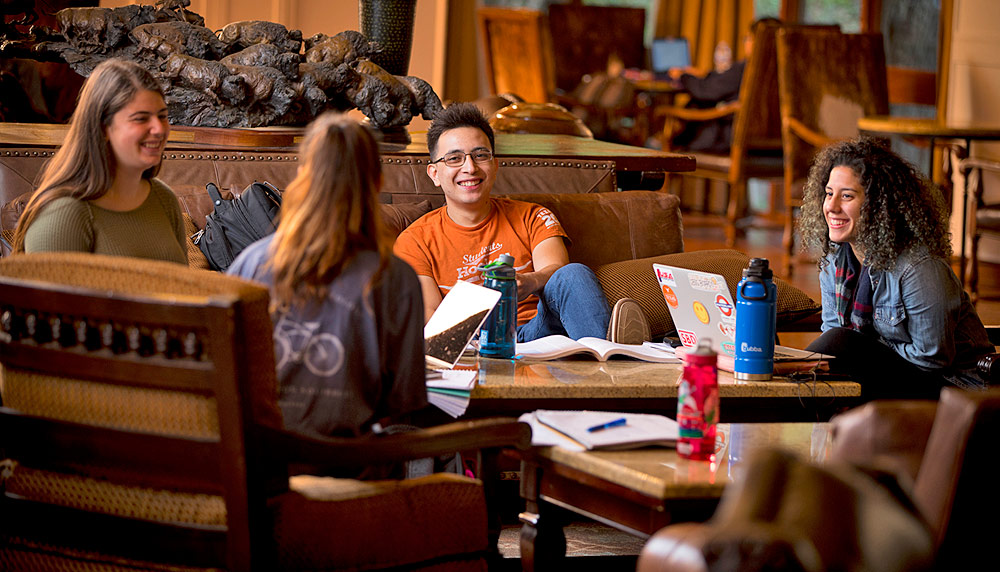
pixel 635 279
pixel 398 216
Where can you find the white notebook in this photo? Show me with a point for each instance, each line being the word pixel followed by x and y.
pixel 637 429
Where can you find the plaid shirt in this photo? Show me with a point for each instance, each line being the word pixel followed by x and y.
pixel 852 288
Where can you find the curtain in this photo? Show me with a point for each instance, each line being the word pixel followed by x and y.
pixel 705 23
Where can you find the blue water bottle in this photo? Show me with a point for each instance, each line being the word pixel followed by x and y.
pixel 499 332
pixel 756 297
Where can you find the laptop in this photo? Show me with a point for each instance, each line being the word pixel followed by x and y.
pixel 667 53
pixel 455 322
pixel 702 305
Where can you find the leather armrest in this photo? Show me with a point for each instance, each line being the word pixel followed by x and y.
pixel 889 434
pixel 677 548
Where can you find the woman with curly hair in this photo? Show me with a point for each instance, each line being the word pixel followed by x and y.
pixel 347 314
pixel 894 313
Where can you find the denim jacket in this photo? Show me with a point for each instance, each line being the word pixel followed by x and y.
pixel 922 312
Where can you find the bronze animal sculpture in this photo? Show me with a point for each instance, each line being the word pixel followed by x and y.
pixel 249 74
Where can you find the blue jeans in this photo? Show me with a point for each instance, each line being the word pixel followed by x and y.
pixel 571 304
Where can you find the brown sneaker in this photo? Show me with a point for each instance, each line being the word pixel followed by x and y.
pixel 628 323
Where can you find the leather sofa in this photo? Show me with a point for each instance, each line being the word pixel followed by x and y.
pixel 617 234
pixel 405 180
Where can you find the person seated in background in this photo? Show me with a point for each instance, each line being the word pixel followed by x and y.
pixel 348 333
pixel 715 88
pixel 98 193
pixel 894 313
pixel 473 228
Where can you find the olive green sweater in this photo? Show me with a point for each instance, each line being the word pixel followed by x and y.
pixel 153 230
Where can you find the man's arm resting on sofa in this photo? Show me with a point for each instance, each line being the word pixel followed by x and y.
pixel 548 256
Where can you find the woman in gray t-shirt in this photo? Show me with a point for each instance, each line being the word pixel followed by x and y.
pixel 348 315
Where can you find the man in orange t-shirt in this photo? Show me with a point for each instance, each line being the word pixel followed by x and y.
pixel 473 228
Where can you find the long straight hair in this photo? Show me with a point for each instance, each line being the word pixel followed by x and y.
pixel 84 167
pixel 329 213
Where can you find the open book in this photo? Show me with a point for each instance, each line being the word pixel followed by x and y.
pixel 554 347
pixel 575 430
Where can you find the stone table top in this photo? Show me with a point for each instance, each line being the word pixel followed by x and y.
pixel 660 473
pixel 582 378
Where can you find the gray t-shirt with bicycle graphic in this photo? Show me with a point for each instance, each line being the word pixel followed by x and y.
pixel 357 358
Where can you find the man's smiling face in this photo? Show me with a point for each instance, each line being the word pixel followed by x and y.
pixel 469 184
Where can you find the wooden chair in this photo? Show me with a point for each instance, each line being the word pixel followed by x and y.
pixel 827 81
pixel 518 52
pixel 755 151
pixel 983 217
pixel 139 429
pixel 587 37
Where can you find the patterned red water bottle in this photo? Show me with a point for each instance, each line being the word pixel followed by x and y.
pixel 698 403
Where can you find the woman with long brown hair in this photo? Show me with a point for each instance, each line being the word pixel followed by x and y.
pixel 348 315
pixel 98 193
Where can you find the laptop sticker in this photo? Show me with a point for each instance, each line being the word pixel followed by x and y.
pixel 669 296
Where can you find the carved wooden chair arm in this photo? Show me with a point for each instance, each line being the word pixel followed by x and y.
pixel 694 114
pixel 674 117
pixel 976 163
pixel 966 167
pixel 289 447
pixel 807 134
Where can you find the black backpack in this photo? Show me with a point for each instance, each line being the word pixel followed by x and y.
pixel 236 223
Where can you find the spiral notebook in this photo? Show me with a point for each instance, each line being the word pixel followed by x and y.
pixel 600 430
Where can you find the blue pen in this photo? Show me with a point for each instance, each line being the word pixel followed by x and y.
pixel 608 425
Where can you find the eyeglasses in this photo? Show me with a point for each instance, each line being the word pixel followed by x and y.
pixel 457 158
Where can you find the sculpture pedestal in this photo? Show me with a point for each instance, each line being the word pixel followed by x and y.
pixel 395 135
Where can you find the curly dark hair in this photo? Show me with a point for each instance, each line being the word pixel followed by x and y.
pixel 901 208
pixel 454 116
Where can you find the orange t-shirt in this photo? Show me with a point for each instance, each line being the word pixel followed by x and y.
pixel 437 247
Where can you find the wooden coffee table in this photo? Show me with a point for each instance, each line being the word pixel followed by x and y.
pixel 512 387
pixel 643 490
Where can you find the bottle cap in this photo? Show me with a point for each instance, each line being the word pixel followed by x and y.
pixel 703 354
pixel 506 259
pixel 758 267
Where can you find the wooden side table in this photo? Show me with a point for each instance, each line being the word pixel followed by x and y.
pixel 934 129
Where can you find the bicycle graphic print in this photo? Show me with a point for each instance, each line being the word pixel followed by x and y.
pixel 298 342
